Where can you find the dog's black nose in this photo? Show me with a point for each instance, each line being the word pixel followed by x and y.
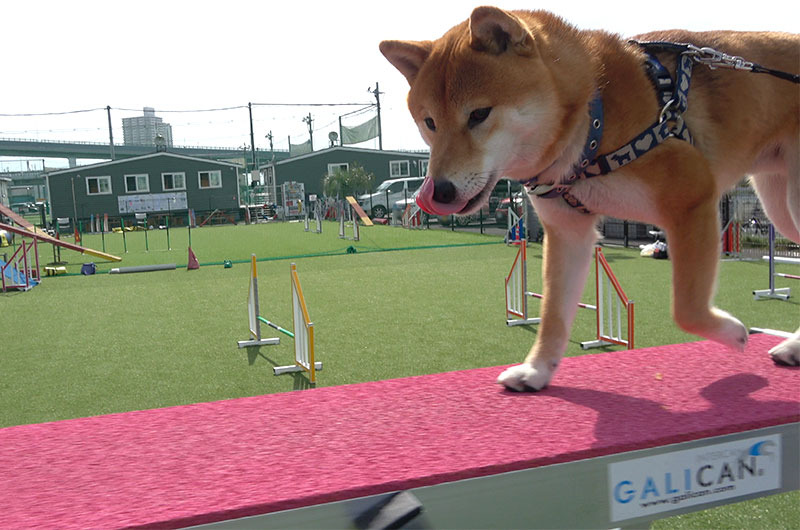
pixel 444 192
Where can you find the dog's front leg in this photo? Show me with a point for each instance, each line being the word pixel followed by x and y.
pixel 568 244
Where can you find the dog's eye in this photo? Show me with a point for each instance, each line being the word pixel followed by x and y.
pixel 478 116
pixel 430 124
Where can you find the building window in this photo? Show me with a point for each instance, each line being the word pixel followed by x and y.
pixel 173 181
pixel 210 179
pixel 333 168
pixel 137 183
pixel 399 168
pixel 423 168
pixel 98 185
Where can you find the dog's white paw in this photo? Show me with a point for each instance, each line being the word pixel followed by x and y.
pixel 787 353
pixel 729 331
pixel 525 378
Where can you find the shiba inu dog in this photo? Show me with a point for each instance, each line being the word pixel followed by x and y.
pixel 581 118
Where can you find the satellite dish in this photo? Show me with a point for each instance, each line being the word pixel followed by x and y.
pixel 333 136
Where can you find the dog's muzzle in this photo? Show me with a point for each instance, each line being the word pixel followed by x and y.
pixel 439 197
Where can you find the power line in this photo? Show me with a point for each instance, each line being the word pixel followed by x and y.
pixel 236 107
pixel 186 111
pixel 312 104
pixel 50 113
pixel 359 111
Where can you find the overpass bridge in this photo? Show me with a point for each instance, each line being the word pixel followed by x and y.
pixel 72 151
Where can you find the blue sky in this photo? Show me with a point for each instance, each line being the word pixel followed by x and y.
pixel 179 55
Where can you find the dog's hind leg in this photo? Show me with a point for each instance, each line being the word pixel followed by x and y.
pixel 780 196
pixel 568 244
pixel 693 239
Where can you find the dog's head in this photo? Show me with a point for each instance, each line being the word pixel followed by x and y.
pixel 491 101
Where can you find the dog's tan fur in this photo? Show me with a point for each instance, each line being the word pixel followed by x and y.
pixel 538 74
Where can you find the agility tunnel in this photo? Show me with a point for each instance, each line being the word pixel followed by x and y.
pixel 618 439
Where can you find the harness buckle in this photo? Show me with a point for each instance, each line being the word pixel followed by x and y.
pixel 670 107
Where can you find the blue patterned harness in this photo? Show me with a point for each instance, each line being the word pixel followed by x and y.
pixel 673 98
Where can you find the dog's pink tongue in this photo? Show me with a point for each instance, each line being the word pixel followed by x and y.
pixel 427 201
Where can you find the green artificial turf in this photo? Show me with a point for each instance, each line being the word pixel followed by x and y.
pixel 404 303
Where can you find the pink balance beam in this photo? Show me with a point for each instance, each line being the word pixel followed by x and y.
pixel 209 462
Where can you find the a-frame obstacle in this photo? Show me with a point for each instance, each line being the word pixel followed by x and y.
pixel 352 212
pixel 359 211
pixel 303 334
pixel 610 302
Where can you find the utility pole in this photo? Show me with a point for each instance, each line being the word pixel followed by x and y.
pixel 308 121
pixel 252 137
pixel 110 133
pixel 377 93
pixel 271 150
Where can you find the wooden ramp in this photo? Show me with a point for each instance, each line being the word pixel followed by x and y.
pixel 473 454
pixel 359 211
pixel 42 236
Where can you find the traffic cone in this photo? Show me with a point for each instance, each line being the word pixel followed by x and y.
pixel 193 263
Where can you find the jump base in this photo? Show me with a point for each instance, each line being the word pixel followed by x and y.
pixel 278 370
pixel 263 342
pixel 778 294
pixel 522 322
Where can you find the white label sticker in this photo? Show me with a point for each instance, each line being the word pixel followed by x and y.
pixel 655 484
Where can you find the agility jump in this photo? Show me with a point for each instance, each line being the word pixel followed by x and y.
pixel 608 309
pixel 782 293
pixel 412 216
pixel 516 232
pixel 318 215
pixel 303 334
pixel 344 211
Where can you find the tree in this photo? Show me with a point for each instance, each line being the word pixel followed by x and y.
pixel 348 182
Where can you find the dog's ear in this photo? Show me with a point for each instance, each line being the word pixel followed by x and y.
pixel 406 56
pixel 495 31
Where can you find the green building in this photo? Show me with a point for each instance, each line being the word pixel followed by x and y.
pixel 312 168
pixel 157 184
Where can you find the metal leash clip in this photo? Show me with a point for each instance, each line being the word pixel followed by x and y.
pixel 715 59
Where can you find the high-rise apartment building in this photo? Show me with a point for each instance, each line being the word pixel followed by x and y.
pixel 143 130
